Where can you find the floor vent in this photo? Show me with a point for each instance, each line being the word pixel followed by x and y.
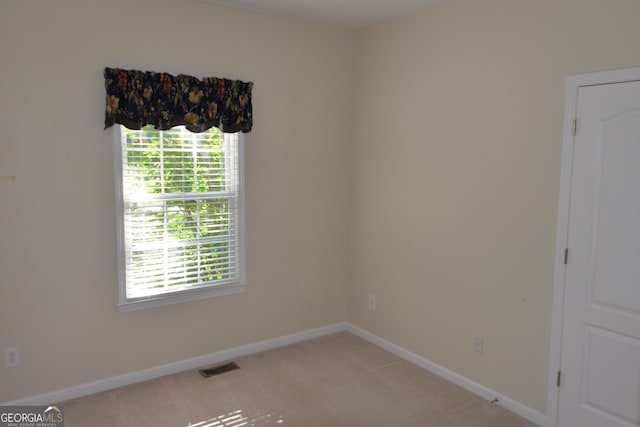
pixel 220 369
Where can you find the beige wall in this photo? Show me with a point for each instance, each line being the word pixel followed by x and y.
pixel 458 132
pixel 58 284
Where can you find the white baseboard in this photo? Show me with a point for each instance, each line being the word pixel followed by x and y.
pixel 180 366
pixel 226 355
pixel 482 391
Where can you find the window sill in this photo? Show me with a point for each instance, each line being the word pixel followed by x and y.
pixel 181 296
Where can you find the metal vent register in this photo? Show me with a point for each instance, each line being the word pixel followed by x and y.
pixel 220 369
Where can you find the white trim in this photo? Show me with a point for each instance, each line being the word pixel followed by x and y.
pixel 242 242
pixel 475 388
pixel 226 355
pixel 180 366
pixel 119 205
pixel 183 296
pixel 574 83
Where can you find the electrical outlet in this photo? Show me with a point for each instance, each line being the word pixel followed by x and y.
pixel 478 344
pixel 372 302
pixel 11 357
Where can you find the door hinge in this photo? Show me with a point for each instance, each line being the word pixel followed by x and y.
pixel 558 381
pixel 566 256
pixel 574 128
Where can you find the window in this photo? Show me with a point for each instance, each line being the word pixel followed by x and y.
pixel 180 215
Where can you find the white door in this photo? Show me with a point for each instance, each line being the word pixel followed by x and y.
pixel 600 351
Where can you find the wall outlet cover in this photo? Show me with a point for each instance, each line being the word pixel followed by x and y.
pixel 11 357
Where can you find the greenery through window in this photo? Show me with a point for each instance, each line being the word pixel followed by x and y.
pixel 180 210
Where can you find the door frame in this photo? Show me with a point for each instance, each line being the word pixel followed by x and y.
pixel 574 83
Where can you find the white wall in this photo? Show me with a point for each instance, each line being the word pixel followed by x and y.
pixel 458 132
pixel 58 283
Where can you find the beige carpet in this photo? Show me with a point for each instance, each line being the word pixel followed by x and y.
pixel 333 381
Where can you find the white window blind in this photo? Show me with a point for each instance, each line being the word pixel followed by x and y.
pixel 181 211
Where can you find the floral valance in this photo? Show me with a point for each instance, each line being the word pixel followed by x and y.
pixel 138 98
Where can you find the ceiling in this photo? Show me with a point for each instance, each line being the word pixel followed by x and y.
pixel 347 14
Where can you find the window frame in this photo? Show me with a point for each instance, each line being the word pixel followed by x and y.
pixel 186 295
